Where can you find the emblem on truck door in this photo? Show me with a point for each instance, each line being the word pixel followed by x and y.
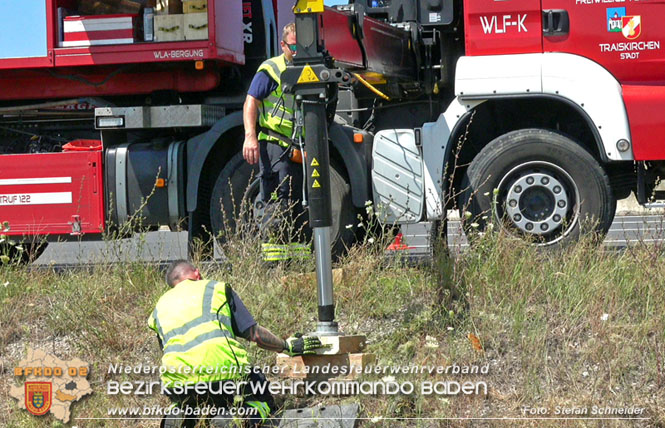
pixel 614 19
pixel 618 22
pixel 632 26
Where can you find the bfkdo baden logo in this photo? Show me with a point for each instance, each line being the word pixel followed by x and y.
pixel 618 22
pixel 50 385
pixel 38 397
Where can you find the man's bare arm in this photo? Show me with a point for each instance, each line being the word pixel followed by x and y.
pixel 264 338
pixel 250 113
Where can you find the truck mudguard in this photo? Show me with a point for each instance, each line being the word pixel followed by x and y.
pixel 198 149
pixel 437 149
pixel 578 81
pixel 582 82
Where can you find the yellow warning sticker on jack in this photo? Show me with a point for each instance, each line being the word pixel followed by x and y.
pixel 308 75
pixel 316 184
pixel 314 162
pixel 315 173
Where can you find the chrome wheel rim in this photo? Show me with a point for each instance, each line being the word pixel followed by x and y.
pixel 540 200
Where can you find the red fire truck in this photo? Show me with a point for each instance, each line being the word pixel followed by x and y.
pixel 539 113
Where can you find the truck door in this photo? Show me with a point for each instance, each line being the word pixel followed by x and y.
pixel 628 39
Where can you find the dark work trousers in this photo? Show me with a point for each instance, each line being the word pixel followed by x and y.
pixel 194 400
pixel 284 216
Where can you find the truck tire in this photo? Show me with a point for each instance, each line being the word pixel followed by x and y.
pixel 344 229
pixel 233 197
pixel 548 189
pixel 237 188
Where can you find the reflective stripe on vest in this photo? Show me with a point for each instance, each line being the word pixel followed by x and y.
pixel 277 109
pixel 206 316
pixel 202 339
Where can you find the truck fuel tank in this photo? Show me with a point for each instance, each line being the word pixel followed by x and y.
pixel 147 183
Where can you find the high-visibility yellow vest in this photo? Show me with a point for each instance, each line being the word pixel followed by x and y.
pixel 193 320
pixel 277 109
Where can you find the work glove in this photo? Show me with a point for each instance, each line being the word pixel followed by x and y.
pixel 302 345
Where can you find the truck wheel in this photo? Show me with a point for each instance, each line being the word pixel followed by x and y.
pixel 237 189
pixel 547 189
pixel 344 214
pixel 233 197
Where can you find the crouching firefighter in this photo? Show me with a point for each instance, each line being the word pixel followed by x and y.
pixel 198 323
pixel 280 162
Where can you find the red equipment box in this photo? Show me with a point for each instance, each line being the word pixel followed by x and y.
pixel 98 30
pixel 52 193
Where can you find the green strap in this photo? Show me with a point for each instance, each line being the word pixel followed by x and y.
pixel 276 252
pixel 262 408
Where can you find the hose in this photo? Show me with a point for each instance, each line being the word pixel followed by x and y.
pixel 371 87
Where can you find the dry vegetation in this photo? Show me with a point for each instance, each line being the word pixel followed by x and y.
pixel 580 327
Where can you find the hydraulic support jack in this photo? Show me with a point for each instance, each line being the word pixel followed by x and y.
pixel 311 78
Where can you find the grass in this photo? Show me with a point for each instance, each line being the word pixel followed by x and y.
pixel 579 327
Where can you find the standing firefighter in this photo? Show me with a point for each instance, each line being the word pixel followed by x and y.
pixel 197 324
pixel 279 162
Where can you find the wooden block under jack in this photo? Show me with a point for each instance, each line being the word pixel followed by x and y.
pixel 323 367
